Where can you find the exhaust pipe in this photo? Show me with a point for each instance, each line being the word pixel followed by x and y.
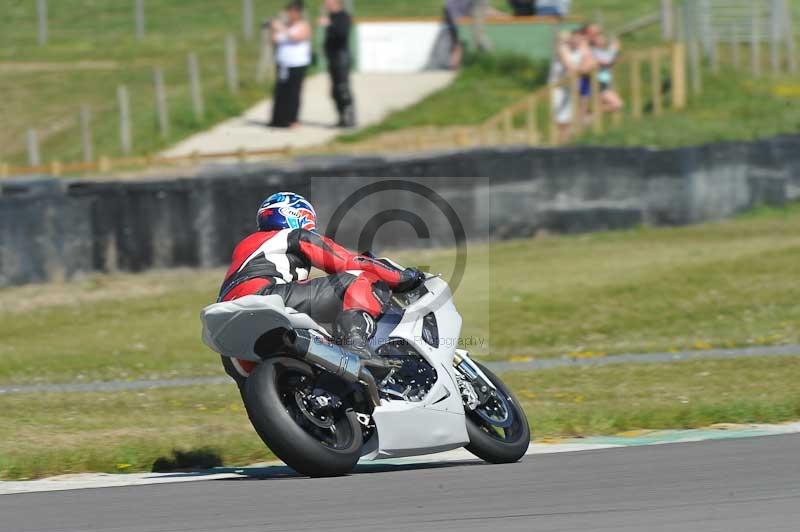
pixel 317 350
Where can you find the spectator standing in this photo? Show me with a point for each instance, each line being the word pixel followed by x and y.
pixel 573 57
pixel 478 10
pixel 606 52
pixel 337 23
pixel 453 11
pixel 291 35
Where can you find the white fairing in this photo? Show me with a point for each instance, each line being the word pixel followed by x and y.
pixel 437 423
pixel 404 428
pixel 232 328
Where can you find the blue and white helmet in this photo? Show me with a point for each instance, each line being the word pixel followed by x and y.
pixel 286 210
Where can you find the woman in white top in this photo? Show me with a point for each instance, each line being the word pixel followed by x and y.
pixel 292 40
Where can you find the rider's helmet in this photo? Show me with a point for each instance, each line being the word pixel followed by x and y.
pixel 286 210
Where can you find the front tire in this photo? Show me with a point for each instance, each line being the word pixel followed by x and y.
pixel 270 398
pixel 498 439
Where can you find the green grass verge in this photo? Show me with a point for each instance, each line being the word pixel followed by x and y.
pixel 681 395
pixel 128 431
pixel 725 284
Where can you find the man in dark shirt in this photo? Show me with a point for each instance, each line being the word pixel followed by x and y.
pixel 337 52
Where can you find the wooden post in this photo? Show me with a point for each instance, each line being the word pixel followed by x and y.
pixel 87 146
pixel 774 36
pixel 680 23
pixel 508 126
pixel 552 118
pixel 5 170
pixel 678 75
pixel 636 87
pixel 655 81
pixel 713 51
pixel 247 19
pixel 162 111
pixel 616 118
pixel 231 68
pixel 533 130
pixel 735 55
pixel 667 26
pixel 755 45
pixel 123 99
pixel 575 102
pixel 266 56
pixel 56 169
pixel 597 112
pixel 697 73
pixel 41 16
pixel 791 58
pixel 692 46
pixel 140 21
pixel 196 88
pixel 34 156
pixel 104 164
pixel 455 138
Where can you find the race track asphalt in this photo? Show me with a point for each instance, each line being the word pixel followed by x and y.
pixel 750 484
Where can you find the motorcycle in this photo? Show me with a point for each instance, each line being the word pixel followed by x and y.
pixel 321 408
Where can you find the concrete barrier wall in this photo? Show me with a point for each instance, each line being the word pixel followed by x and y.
pixel 54 229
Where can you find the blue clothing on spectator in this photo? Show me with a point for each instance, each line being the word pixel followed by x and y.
pixel 556 8
pixel 585 86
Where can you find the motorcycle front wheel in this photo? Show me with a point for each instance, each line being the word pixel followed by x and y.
pixel 318 441
pixel 498 429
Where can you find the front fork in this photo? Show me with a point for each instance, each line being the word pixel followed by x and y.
pixel 473 384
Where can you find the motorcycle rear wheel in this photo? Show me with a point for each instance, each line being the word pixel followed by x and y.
pixel 496 440
pixel 271 400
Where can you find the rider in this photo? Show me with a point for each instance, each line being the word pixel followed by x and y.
pixel 277 259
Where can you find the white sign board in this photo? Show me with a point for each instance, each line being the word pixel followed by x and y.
pixel 396 46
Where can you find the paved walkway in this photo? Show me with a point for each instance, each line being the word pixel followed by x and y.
pixel 376 95
pixel 532 365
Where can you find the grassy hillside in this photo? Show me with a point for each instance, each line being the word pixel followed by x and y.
pixel 92 49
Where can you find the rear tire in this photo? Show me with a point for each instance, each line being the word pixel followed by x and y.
pixel 486 443
pixel 268 400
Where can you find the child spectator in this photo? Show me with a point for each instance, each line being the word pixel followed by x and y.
pixel 605 52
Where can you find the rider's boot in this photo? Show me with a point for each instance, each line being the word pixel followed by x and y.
pixel 354 329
